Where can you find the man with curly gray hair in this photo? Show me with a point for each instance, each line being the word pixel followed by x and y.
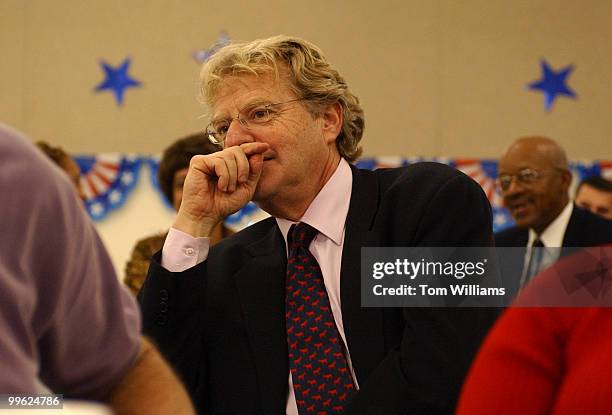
pixel 269 321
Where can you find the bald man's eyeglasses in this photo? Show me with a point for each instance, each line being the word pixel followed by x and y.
pixel 525 176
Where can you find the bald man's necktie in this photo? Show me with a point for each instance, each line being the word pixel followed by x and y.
pixel 321 378
pixel 535 262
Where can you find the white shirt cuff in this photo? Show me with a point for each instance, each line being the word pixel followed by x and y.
pixel 182 251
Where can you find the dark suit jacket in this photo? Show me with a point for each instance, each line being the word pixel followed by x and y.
pixel 221 323
pixel 583 229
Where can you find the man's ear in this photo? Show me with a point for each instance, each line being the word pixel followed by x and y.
pixel 333 117
pixel 567 177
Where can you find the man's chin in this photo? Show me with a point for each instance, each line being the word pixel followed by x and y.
pixel 262 191
pixel 524 222
pixel 524 215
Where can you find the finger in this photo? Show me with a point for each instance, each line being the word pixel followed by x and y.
pixel 243 168
pixel 254 148
pixel 225 168
pixel 217 168
pixel 198 166
pixel 256 167
pixel 232 170
pixel 205 164
pixel 222 171
pixel 199 163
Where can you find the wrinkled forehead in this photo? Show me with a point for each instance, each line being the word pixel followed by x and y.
pixel 236 92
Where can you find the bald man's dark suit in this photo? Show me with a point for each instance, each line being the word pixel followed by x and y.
pixel 221 323
pixel 583 229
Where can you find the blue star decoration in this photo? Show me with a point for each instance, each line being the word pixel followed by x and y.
pixel 203 55
pixel 117 80
pixel 553 84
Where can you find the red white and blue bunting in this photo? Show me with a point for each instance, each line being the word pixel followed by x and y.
pixel 484 172
pixel 108 180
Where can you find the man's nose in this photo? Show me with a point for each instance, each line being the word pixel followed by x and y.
pixel 237 133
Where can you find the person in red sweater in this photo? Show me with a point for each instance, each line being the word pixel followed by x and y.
pixel 550 360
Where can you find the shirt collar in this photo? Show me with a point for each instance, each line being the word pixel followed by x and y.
pixel 327 212
pixel 552 237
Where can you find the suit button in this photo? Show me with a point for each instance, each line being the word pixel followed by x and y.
pixel 163 294
pixel 163 307
pixel 161 320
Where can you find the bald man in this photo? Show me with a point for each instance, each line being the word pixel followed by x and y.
pixel 534 181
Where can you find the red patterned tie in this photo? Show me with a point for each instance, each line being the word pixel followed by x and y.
pixel 319 369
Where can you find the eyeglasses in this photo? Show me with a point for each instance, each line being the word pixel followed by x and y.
pixel 525 176
pixel 249 117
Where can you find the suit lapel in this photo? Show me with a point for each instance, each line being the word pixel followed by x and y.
pixel 523 238
pixel 360 323
pixel 572 236
pixel 261 288
pixel 512 264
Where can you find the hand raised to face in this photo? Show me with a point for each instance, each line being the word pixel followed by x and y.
pixel 218 185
